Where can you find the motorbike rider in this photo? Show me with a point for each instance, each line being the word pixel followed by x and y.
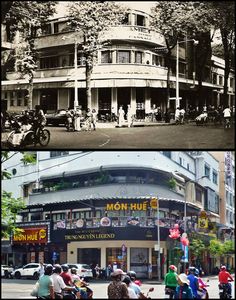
pixel 79 283
pixel 39 119
pixel 58 283
pixel 171 281
pixel 202 291
pixel 224 277
pixel 193 281
pixel 117 289
pixel 135 286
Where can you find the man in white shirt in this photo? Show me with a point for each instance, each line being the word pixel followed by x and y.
pixel 227 116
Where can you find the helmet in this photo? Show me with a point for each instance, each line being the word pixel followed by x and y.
pixel 192 269
pixel 127 280
pixel 132 274
pixel 196 272
pixel 65 268
pixel 223 268
pixel 73 271
pixel 173 268
pixel 57 269
pixel 48 269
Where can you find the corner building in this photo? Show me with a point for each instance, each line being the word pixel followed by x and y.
pixel 96 207
pixel 128 72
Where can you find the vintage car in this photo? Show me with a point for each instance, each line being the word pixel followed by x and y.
pixel 58 118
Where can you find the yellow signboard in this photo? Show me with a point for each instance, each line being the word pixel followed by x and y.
pixel 202 223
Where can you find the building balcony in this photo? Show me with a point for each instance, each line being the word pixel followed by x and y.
pixel 133 34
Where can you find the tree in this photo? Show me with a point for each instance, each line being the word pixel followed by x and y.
pixel 197 247
pixel 225 22
pixel 191 20
pixel 10 206
pixel 93 18
pixel 24 19
pixel 216 248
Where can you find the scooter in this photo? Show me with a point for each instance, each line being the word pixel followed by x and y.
pixel 224 291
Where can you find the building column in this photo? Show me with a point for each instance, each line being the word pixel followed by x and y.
pixel 103 257
pixel 128 258
pixel 114 102
pixel 133 104
pixel 113 56
pixel 132 57
pixel 147 101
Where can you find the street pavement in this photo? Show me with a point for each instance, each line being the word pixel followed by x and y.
pixel 21 288
pixel 148 136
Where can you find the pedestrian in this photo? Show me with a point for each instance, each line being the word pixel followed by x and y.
pixel 117 289
pixel 129 117
pixel 113 114
pixel 97 269
pixel 89 118
pixel 182 115
pixel 131 292
pixel 109 270
pixel 77 118
pixel 45 288
pixel 193 281
pixel 121 115
pixel 227 116
pixel 177 114
pixel 41 269
pixel 150 271
pixel 94 118
pixel 183 290
pixel 153 112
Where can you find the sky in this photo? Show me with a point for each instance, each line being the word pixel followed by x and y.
pixel 139 5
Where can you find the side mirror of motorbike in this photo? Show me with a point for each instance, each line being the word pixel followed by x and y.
pixel 151 289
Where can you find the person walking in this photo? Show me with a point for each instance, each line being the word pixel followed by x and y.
pixel 129 116
pixel 77 117
pixel 45 289
pixel 41 270
pixel 193 281
pixel 177 115
pixel 117 289
pixel 121 115
pixel 171 281
pixel 94 118
pixel 183 290
pixel 149 271
pixel 227 117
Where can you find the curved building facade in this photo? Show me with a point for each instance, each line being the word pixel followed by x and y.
pixel 130 71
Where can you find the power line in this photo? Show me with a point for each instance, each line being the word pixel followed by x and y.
pixel 58 165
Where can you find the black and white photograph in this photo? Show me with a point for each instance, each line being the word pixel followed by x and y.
pixel 118 74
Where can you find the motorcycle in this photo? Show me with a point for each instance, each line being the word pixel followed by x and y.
pixel 169 293
pixel 24 135
pixel 70 124
pixel 224 291
pixel 147 295
pixel 202 291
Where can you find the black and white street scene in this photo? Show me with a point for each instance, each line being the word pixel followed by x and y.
pixel 118 74
pixel 118 225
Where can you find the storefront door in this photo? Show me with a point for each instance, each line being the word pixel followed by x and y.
pixel 90 256
pixel 139 261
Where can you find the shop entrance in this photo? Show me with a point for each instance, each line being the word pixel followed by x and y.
pixel 124 98
pixel 90 256
pixel 139 261
pixel 48 100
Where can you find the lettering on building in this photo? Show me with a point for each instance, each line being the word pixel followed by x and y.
pixel 127 206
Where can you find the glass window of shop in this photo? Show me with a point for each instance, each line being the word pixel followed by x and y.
pixel 139 259
pixel 123 57
pixel 140 20
pixel 116 255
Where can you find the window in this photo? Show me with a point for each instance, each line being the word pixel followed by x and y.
pixel 58 153
pixel 231 82
pixel 167 153
pixel 123 57
pixel 207 171
pixel 198 195
pixel 140 20
pixel 138 57
pixel 215 177
pixel 106 57
pixel 125 21
pixel 19 102
pixel 56 27
pixel 188 167
pixel 49 62
pixel 180 161
pixel 220 80
pixel 157 60
pixel 46 29
pixel 25 190
pixel 214 78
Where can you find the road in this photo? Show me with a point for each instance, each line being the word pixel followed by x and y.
pixel 21 289
pixel 188 136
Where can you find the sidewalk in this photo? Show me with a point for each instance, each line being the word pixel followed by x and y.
pixel 135 124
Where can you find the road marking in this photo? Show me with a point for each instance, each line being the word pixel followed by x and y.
pixel 108 141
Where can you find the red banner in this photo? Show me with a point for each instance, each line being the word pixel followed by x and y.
pixel 31 235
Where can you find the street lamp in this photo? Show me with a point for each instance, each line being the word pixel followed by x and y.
pixel 177 103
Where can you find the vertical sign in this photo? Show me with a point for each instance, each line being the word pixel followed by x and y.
pixel 228 164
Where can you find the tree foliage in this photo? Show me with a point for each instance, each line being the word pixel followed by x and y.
pixel 22 20
pixel 93 18
pixel 10 206
pixel 216 248
pixel 197 247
